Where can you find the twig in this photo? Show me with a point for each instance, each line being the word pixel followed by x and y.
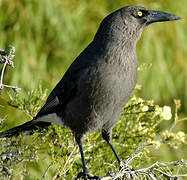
pixel 132 157
pixel 135 154
pixel 2 74
pixel 38 148
pixel 13 87
pixel 43 177
pixel 156 171
pixel 2 120
pixel 7 60
pixel 158 166
pixel 63 168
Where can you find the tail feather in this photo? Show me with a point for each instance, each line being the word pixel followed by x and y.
pixel 30 125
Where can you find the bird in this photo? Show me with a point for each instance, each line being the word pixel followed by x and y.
pixel 94 90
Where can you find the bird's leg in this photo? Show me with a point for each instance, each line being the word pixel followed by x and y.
pixel 85 174
pixel 85 169
pixel 114 151
pixel 106 136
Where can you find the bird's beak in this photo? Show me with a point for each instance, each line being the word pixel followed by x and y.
pixel 158 16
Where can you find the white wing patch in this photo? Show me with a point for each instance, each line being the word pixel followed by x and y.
pixel 53 118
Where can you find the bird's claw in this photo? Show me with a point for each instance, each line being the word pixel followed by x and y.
pixel 123 166
pixel 87 176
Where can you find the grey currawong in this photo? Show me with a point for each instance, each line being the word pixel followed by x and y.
pixel 92 93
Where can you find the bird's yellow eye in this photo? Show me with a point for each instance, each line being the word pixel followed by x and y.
pixel 140 13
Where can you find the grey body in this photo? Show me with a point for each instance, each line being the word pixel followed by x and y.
pixel 102 90
pixel 92 93
pixel 100 80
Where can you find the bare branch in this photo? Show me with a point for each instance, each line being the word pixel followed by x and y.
pixel 7 59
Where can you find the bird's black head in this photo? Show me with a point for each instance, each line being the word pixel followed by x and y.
pixel 129 22
pixel 139 17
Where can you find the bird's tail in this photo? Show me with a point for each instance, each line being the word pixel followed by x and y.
pixel 28 126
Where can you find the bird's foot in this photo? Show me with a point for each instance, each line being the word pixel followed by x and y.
pixel 124 166
pixel 87 176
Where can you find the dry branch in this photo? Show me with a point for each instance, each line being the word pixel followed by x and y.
pixel 7 59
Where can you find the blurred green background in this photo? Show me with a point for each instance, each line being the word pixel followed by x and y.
pixel 49 34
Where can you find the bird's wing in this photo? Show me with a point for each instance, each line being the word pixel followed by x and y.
pixel 65 90
pixel 59 96
pixel 67 87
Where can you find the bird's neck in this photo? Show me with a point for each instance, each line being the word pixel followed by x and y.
pixel 116 47
pixel 125 41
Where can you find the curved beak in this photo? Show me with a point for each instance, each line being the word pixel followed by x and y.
pixel 158 16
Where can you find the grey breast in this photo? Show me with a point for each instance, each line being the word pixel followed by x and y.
pixel 103 89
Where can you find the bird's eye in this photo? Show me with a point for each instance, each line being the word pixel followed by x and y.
pixel 140 13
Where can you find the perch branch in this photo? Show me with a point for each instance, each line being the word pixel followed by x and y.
pixel 6 59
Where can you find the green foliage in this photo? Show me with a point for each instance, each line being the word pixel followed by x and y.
pixel 30 102
pixel 53 153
